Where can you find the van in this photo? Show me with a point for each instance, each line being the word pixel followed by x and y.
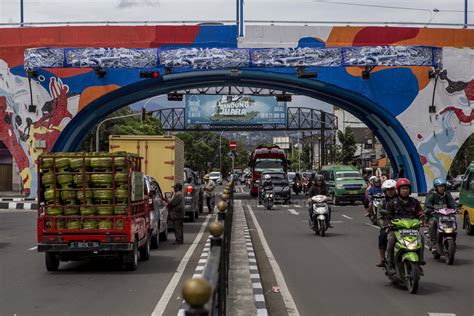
pixel 345 184
pixel 466 198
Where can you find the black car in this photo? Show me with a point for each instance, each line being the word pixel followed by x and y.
pixel 281 185
pixel 193 194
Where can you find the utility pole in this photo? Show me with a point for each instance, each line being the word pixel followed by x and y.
pixel 465 14
pixel 22 17
pixel 220 151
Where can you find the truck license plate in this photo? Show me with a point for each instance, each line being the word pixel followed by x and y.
pixel 92 244
pixel 353 192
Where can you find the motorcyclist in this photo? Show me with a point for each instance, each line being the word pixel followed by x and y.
pixel 388 188
pixel 267 185
pixel 296 182
pixel 404 206
pixel 375 189
pixel 437 199
pixel 318 188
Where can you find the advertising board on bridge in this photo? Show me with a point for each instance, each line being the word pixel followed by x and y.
pixel 241 110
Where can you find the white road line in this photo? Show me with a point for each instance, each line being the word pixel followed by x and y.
pixel 345 216
pixel 165 298
pixel 285 292
pixel 441 314
pixel 293 211
pixel 33 248
pixel 373 226
pixel 259 206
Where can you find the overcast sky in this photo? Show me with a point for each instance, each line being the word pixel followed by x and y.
pixel 311 10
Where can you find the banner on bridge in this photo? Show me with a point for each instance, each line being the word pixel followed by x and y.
pixel 240 110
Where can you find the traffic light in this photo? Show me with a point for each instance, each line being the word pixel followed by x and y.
pixel 284 98
pixel 149 74
pixel 175 97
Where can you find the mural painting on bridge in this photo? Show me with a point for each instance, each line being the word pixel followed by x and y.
pixel 405 92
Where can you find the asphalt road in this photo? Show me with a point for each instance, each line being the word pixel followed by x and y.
pixel 87 288
pixel 336 275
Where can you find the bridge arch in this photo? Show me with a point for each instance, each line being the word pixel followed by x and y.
pixel 385 126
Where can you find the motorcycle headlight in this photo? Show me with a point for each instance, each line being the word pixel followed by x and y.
pixel 411 245
pixel 321 210
pixel 449 230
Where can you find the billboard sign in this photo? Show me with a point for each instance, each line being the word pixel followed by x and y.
pixel 234 110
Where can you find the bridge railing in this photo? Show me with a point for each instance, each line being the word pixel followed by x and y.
pixel 207 295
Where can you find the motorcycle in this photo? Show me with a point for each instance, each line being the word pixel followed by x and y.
pixel 445 235
pixel 408 248
pixel 297 187
pixel 319 214
pixel 376 206
pixel 266 198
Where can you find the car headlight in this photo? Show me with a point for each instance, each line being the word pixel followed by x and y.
pixel 339 186
pixel 411 245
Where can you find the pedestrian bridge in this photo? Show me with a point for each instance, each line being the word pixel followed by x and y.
pixel 414 87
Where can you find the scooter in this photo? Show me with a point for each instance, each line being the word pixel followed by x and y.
pixel 319 214
pixel 445 235
pixel 408 248
pixel 268 199
pixel 376 207
pixel 297 187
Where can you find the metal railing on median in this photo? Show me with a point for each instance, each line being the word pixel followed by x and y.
pixel 207 295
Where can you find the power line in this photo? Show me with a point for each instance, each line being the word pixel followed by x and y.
pixel 389 7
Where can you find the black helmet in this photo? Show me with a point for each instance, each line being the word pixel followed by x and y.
pixel 319 177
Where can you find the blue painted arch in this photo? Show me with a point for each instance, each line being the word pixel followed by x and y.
pixel 385 126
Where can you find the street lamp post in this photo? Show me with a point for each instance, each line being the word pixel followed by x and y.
pixel 22 19
pixel 220 151
pixel 106 120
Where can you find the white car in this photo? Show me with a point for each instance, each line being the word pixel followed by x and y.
pixel 216 177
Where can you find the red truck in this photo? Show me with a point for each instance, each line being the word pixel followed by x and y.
pixel 92 205
pixel 265 159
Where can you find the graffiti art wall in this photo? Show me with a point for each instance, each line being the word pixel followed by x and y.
pixel 405 92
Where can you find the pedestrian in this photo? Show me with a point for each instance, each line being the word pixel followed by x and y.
pixel 401 172
pixel 176 212
pixel 209 187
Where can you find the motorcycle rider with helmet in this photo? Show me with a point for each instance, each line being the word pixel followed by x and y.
pixel 388 188
pixel 437 199
pixel 318 188
pixel 376 188
pixel 404 206
pixel 366 197
pixel 267 185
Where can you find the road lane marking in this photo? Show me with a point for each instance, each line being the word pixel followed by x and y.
pixel 373 226
pixel 33 248
pixel 293 211
pixel 345 216
pixel 441 314
pixel 166 297
pixel 285 292
pixel 259 206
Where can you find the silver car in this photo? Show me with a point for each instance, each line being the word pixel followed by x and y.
pixel 158 211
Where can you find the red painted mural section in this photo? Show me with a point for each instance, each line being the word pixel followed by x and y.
pixel 371 36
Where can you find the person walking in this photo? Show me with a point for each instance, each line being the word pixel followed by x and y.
pixel 401 172
pixel 209 187
pixel 176 213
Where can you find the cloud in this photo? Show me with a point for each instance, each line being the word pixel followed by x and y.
pixel 123 4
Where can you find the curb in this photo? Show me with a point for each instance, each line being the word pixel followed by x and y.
pixel 18 206
pixel 20 199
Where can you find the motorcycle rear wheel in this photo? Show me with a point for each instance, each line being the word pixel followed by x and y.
pixel 413 280
pixel 449 251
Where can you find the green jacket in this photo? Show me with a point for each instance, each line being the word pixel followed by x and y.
pixel 435 201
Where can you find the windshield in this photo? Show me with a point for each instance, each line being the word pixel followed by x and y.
pixel 215 174
pixel 272 164
pixel 348 175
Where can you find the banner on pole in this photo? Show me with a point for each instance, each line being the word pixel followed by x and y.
pixel 234 110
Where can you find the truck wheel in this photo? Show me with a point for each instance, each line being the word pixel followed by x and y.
pixel 155 241
pixel 52 261
pixel 164 235
pixel 131 258
pixel 145 250
pixel 336 201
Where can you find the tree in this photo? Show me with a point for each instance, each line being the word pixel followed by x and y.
pixel 124 126
pixel 463 158
pixel 348 146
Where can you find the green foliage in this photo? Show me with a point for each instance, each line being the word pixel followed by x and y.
pixel 347 149
pixel 124 126
pixel 463 158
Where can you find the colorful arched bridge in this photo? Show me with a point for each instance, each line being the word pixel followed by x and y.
pixel 414 87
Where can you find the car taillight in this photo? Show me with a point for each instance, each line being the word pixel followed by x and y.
pixel 189 189
pixel 116 238
pixel 52 239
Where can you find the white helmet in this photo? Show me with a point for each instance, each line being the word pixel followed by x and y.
pixel 267 177
pixel 389 184
pixel 372 178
